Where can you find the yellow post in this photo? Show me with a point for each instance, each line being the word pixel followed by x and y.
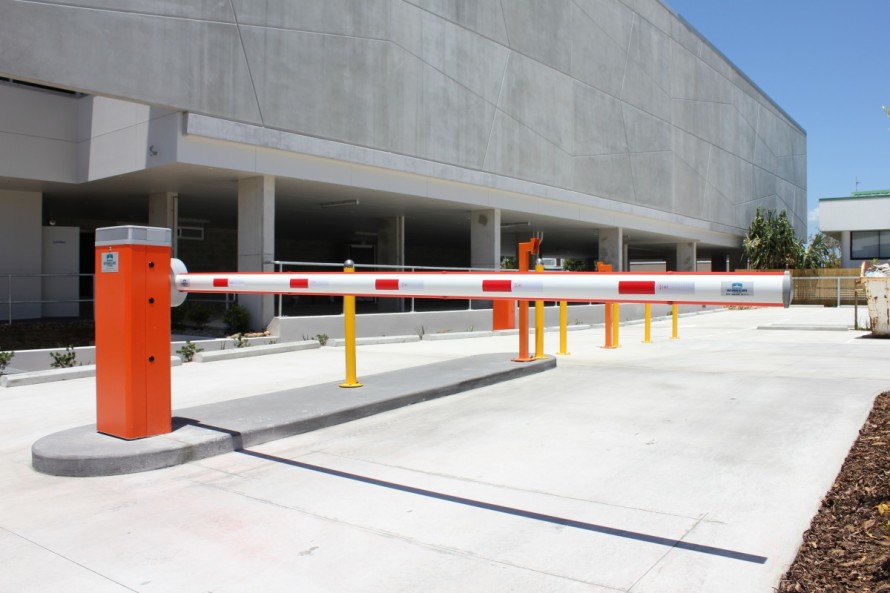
pixel 349 332
pixel 647 331
pixel 616 318
pixel 539 320
pixel 563 323
pixel 674 314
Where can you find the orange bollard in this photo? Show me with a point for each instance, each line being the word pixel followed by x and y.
pixel 674 315
pixel 503 314
pixel 616 319
pixel 133 295
pixel 525 249
pixel 607 311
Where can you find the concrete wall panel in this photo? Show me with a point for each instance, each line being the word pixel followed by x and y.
pixel 646 133
pixel 406 26
pixel 205 10
pixel 517 151
pixel 654 12
pixel 541 98
pixel 355 18
pixel 688 189
pixel 653 179
pixel 599 124
pixel 471 60
pixel 692 150
pixel 641 91
pixel 180 62
pixel 607 176
pixel 650 47
pixel 541 30
pixel 480 16
pixel 462 141
pixel 597 59
pixel 612 18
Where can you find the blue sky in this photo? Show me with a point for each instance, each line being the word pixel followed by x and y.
pixel 827 64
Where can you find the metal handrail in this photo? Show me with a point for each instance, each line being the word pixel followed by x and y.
pixel 281 264
pixel 9 302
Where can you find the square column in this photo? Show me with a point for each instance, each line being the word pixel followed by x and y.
pixel 686 257
pixel 485 238
pixel 485 244
pixel 391 252
pixel 256 241
pixel 163 212
pixel 611 247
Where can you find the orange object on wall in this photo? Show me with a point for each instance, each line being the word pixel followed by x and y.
pixel 133 331
pixel 504 314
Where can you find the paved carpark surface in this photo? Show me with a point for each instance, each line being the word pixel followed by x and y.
pixel 678 466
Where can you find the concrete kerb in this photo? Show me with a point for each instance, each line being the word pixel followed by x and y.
pixel 370 341
pixel 212 429
pixel 255 351
pixel 79 372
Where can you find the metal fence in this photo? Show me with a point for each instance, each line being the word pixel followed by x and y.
pixel 829 291
pixel 443 305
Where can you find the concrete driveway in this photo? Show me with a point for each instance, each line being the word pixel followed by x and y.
pixel 690 465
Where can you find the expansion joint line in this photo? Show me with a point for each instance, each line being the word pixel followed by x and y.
pixel 256 95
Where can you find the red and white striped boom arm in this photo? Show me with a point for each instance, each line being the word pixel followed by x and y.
pixel 761 289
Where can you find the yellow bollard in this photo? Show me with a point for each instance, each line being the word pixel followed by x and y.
pixel 349 332
pixel 674 315
pixel 647 331
pixel 616 318
pixel 539 320
pixel 563 330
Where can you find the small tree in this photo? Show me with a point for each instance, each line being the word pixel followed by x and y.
pixel 822 252
pixel 770 243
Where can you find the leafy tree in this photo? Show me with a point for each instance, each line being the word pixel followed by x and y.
pixel 822 252
pixel 770 243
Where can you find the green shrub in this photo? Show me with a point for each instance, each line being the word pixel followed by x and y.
pixel 63 360
pixel 188 351
pixel 237 319
pixel 5 358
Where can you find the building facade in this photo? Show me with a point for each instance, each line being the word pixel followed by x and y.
pixel 420 132
pixel 861 223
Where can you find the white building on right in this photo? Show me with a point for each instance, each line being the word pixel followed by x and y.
pixel 861 222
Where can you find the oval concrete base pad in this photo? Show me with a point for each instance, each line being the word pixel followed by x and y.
pixel 213 429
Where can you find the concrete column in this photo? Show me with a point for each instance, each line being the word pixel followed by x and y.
pixel 485 244
pixel 163 211
pixel 686 257
pixel 485 238
pixel 611 247
pixel 256 241
pixel 391 252
pixel 21 252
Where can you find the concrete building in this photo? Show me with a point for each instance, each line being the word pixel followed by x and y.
pixel 421 132
pixel 861 223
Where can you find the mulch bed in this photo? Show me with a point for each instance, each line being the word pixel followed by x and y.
pixel 847 547
pixel 33 334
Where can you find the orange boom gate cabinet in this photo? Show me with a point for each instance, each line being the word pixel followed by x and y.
pixel 133 331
